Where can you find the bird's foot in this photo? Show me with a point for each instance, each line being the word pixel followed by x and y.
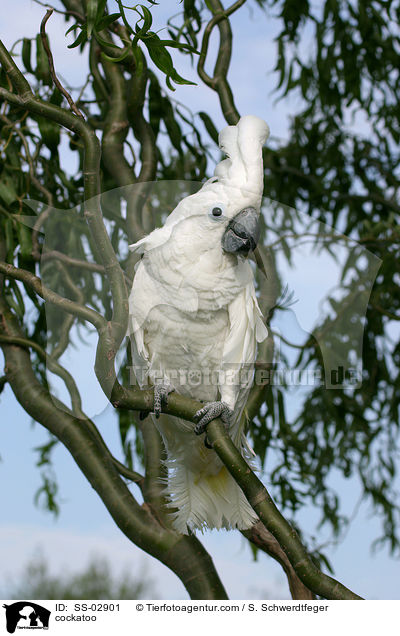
pixel 161 392
pixel 210 412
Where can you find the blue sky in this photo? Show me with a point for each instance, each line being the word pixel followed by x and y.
pixel 84 526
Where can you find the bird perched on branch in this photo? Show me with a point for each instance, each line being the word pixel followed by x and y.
pixel 194 314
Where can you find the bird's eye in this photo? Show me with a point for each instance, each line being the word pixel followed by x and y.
pixel 217 211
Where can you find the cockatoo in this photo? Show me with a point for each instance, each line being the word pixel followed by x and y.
pixel 195 323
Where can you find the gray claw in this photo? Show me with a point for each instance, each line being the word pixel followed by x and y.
pixel 210 412
pixel 161 392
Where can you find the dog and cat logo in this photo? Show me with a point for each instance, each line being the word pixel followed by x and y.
pixel 26 615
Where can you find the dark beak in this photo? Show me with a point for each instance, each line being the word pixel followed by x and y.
pixel 242 233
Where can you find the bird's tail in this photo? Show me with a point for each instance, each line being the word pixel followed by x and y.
pixel 207 500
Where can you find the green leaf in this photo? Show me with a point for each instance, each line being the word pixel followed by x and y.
pixel 281 412
pixel 8 192
pixel 45 452
pixel 163 60
pixel 180 80
pixel 81 39
pixel 173 130
pixel 155 104
pixel 74 27
pixel 180 45
pixel 105 22
pixel 26 54
pixel 50 132
pixel 25 240
pixel 147 21
pixel 101 8
pixel 158 53
pixel 56 97
pixel 42 63
pixel 15 299
pixel 209 126
pixel 9 233
pixel 48 491
pixel 91 12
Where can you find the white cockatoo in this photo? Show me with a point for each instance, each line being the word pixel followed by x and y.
pixel 195 323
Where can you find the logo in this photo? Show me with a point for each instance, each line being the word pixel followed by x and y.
pixel 26 615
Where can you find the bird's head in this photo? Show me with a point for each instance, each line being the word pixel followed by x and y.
pixel 226 217
pixel 232 198
pixel 225 212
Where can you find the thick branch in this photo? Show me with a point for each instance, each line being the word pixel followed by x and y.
pixel 184 555
pixel 110 339
pixel 148 154
pixel 262 503
pixel 116 127
pixel 256 493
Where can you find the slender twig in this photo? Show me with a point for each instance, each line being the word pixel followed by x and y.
pixel 371 196
pixel 218 81
pixel 71 261
pixel 81 311
pixel 55 79
pixel 148 153
pixel 54 366
pixel 75 14
pixel 99 85
pixel 383 311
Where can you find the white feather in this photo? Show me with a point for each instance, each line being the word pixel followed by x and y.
pixel 194 307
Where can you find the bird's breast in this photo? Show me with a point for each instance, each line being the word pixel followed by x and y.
pixel 187 348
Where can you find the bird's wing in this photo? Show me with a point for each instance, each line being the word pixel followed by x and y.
pixel 140 304
pixel 246 328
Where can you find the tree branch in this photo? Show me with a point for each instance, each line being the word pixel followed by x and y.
pixel 265 541
pixel 54 77
pixel 71 261
pixel 218 82
pixel 76 14
pixel 28 101
pixel 116 127
pixel 260 500
pixel 183 554
pixel 83 312
pixel 53 366
pixel 255 491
